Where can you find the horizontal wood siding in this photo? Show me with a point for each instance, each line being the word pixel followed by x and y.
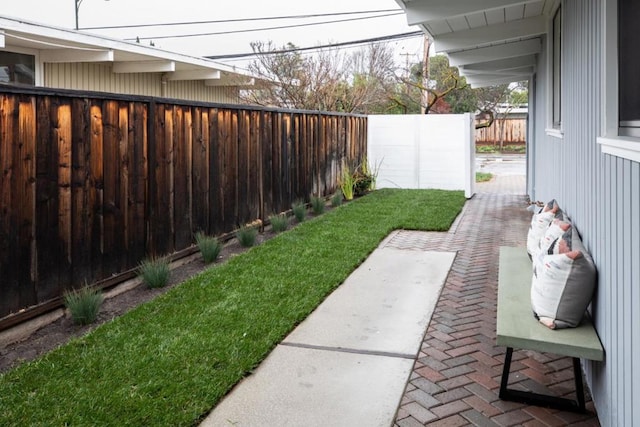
pixel 90 186
pixel 101 78
pixel 601 194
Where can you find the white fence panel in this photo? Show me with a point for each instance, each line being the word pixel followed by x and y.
pixel 423 151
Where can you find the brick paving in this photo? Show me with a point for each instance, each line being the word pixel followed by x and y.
pixel 456 376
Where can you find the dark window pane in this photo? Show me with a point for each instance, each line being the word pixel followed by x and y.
pixel 17 68
pixel 629 61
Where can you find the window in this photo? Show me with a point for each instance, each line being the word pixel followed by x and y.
pixel 556 69
pixel 628 68
pixel 17 68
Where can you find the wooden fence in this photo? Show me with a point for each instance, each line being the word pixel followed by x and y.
pixel 512 131
pixel 90 185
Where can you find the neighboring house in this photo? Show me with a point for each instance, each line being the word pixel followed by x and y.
pixel 40 55
pixel 580 57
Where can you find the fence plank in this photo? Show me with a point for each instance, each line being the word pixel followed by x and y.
pixel 9 285
pixel 64 139
pixel 24 190
pixel 113 225
pixel 182 149
pixel 137 190
pixel 242 178
pixel 49 250
pixel 200 156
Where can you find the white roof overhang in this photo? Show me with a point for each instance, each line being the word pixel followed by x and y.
pixel 61 45
pixel 491 41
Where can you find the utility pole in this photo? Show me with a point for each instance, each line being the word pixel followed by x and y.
pixel 425 74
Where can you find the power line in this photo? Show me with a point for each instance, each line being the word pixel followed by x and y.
pixel 261 29
pixel 224 21
pixel 332 45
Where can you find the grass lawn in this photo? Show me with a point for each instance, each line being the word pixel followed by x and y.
pixel 168 362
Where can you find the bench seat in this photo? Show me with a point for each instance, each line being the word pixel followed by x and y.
pixel 517 328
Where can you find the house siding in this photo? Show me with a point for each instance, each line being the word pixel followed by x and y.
pixel 601 194
pixel 100 77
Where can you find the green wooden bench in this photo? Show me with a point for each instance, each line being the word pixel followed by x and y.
pixel 518 329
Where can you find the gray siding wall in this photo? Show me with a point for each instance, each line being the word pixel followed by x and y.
pixel 601 193
pixel 100 77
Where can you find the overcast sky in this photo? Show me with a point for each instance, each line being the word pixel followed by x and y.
pixel 94 13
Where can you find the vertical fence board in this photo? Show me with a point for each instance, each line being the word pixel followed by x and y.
pixel 9 285
pixel 24 191
pixel 215 177
pixel 182 149
pixel 200 156
pixel 242 177
pixel 95 191
pixel 49 251
pixel 81 214
pixel 136 159
pixel 255 172
pixel 161 214
pixel 115 178
pixel 64 139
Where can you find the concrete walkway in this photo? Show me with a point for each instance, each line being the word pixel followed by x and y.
pixel 362 358
pixel 347 364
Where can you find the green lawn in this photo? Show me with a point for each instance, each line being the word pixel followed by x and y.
pixel 168 362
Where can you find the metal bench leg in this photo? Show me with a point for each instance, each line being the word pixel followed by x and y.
pixel 577 373
pixel 531 398
pixel 505 374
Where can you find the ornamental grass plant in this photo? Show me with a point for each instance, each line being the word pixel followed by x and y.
pixel 154 272
pixel 247 236
pixel 299 210
pixel 209 246
pixel 83 304
pixel 279 223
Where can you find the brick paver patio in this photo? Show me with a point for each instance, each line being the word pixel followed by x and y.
pixel 456 378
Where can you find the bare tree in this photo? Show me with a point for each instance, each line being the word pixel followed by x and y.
pixel 329 80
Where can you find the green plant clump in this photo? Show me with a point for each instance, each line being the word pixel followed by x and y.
pixel 247 236
pixel 169 361
pixel 299 210
pixel 483 176
pixel 154 272
pixel 337 199
pixel 346 181
pixel 279 223
pixel 317 205
pixel 210 247
pixel 83 304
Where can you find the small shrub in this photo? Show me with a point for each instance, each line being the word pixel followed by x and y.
pixel 279 223
pixel 336 199
pixel 154 272
pixel 486 148
pixel 247 236
pixel 299 210
pixel 83 304
pixel 365 178
pixel 317 205
pixel 209 246
pixel 483 176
